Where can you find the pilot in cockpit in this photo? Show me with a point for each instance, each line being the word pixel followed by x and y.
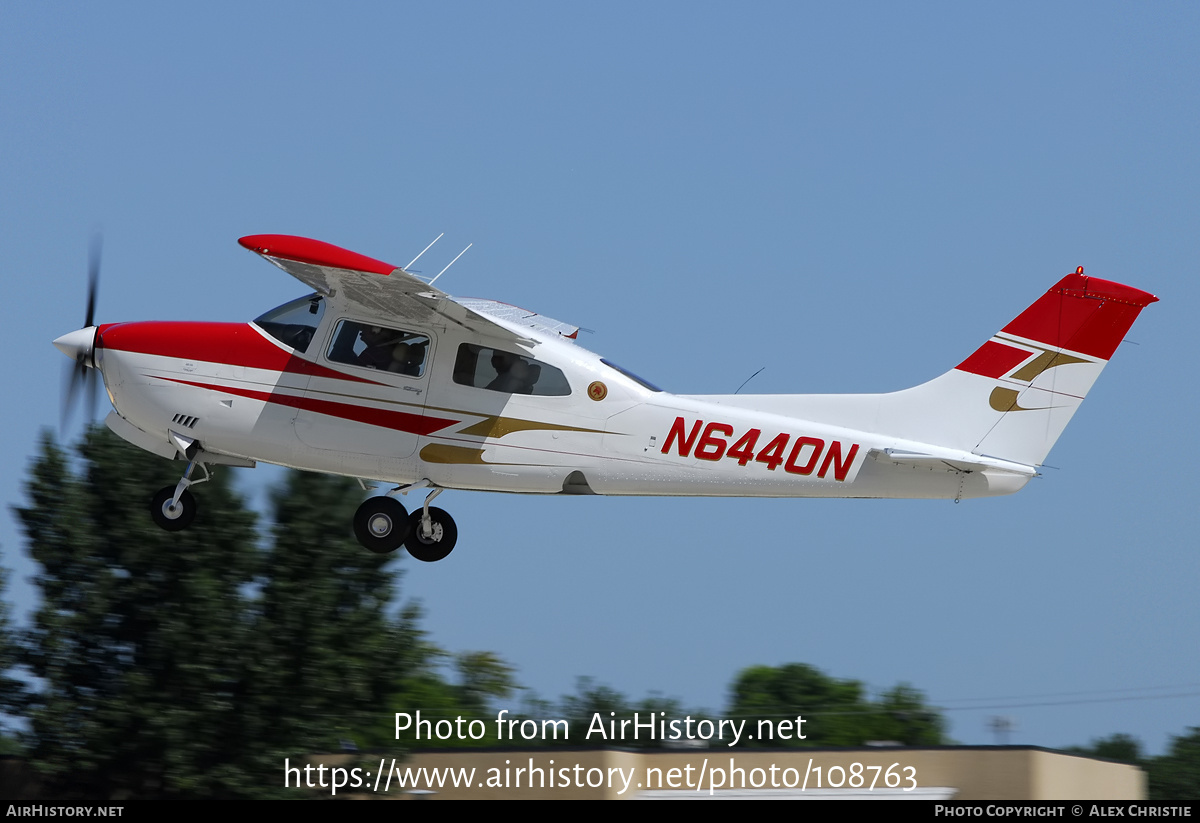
pixel 407 358
pixel 380 343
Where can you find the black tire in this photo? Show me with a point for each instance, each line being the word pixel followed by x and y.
pixel 445 535
pixel 381 524
pixel 173 519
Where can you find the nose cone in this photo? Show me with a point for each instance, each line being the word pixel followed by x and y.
pixel 77 345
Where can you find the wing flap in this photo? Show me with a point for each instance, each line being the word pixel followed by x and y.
pixel 517 316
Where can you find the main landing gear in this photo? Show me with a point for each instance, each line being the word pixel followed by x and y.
pixel 383 525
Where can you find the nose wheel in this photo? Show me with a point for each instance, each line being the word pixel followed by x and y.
pixel 381 524
pixel 173 507
pixel 171 514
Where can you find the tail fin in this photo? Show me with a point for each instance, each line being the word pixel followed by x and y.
pixel 1015 394
pixel 1012 398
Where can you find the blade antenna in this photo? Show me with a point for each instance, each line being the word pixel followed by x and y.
pixel 427 248
pixel 451 263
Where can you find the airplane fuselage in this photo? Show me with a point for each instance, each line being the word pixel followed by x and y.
pixel 243 394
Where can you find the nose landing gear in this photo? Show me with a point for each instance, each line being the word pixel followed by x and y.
pixel 173 507
pixel 171 514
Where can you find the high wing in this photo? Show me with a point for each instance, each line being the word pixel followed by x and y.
pixel 389 291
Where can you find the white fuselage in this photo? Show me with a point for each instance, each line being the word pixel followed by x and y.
pixel 242 394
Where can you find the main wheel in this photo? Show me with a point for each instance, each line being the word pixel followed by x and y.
pixel 173 518
pixel 381 524
pixel 437 545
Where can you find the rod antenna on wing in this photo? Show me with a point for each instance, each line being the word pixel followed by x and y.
pixel 427 248
pixel 451 263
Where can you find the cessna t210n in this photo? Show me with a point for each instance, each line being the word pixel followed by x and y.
pixel 380 376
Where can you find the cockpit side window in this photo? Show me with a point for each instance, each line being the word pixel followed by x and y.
pixel 293 324
pixel 379 347
pixel 507 372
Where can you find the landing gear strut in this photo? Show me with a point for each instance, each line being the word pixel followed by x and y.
pixel 433 534
pixel 173 507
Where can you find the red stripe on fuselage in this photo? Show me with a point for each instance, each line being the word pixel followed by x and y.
pixel 384 418
pixel 235 344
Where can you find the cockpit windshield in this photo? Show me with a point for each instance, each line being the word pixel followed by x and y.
pixel 293 324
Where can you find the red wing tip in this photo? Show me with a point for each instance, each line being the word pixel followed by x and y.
pixel 315 252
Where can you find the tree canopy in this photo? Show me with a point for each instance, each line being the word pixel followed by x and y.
pixel 12 690
pixel 140 637
pixel 190 663
pixel 837 712
pixel 1121 747
pixel 1176 775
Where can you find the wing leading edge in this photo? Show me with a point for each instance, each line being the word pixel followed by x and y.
pixel 390 291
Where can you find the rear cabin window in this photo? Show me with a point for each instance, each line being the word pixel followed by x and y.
pixel 502 371
pixel 379 347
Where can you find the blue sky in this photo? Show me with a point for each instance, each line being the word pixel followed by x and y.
pixel 853 196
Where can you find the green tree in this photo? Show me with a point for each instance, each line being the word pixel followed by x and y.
pixel 140 640
pixel 483 677
pixel 836 712
pixel 12 689
pixel 1120 747
pixel 590 698
pixel 329 656
pixel 1176 775
pixel 902 716
pixel 192 663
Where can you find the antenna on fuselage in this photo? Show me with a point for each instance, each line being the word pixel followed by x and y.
pixel 451 263
pixel 427 248
pixel 748 379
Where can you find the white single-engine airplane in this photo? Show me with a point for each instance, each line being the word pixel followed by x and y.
pixel 380 376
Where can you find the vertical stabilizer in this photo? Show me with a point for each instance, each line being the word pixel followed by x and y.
pixel 1011 398
pixel 1041 365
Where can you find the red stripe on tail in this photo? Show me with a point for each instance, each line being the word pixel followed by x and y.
pixel 993 359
